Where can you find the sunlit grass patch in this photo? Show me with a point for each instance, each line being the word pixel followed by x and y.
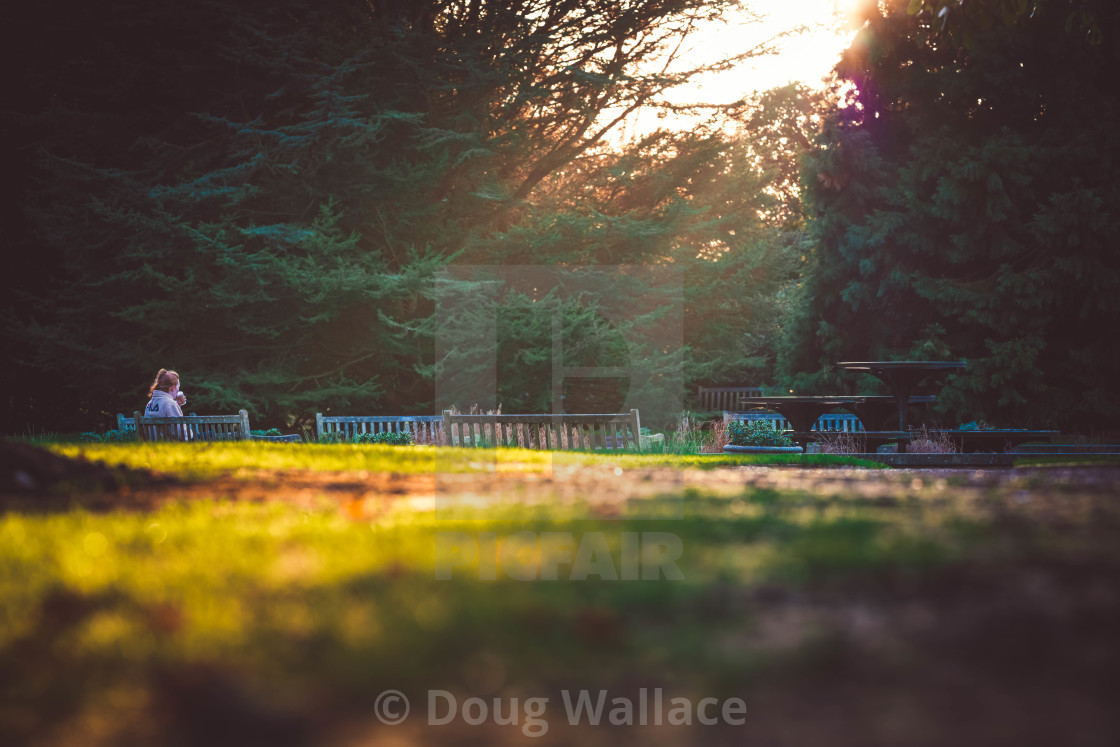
pixel 203 459
pixel 215 571
pixel 633 460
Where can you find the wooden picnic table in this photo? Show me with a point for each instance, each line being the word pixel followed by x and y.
pixel 868 440
pixel 874 411
pixel 801 412
pixel 902 377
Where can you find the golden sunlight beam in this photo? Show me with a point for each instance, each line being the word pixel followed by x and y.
pixel 806 57
pixel 816 32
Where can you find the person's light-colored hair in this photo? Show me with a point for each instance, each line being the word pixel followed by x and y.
pixel 165 381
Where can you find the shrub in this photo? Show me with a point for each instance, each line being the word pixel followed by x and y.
pixel 109 437
pixel 755 433
pixel 391 439
pixel 692 435
pixel 269 432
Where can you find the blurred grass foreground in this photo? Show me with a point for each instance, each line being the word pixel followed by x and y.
pixel 269 594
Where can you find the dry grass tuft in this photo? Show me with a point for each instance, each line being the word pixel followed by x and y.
pixel 840 442
pixel 931 442
pixel 717 438
pixel 696 436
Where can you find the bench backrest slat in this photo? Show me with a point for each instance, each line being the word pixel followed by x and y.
pixel 349 426
pixel 725 397
pixel 536 431
pixel 193 427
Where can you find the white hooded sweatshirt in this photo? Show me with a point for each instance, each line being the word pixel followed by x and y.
pixel 162 405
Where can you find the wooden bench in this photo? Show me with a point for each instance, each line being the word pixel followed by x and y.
pixel 128 425
pixel 343 427
pixel 554 432
pixel 193 427
pixel 725 397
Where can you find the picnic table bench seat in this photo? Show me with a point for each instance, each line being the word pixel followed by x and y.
pixel 563 431
pixel 972 441
pixel 869 441
pixel 967 441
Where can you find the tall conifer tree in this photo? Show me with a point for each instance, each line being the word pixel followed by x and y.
pixel 964 204
pixel 259 194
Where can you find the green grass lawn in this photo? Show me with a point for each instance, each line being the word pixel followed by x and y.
pixel 296 600
pixel 119 626
pixel 209 458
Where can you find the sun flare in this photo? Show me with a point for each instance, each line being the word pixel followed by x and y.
pixel 817 31
pixel 807 37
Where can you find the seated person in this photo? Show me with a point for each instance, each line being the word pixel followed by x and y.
pixel 166 401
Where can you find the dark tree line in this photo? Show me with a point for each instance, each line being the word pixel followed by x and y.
pixel 264 196
pixel 261 194
pixel 964 204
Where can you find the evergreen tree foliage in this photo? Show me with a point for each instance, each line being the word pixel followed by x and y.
pixel 587 338
pixel 260 196
pixel 963 204
pixel 720 208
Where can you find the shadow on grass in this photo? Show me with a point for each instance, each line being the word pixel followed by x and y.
pixel 840 620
